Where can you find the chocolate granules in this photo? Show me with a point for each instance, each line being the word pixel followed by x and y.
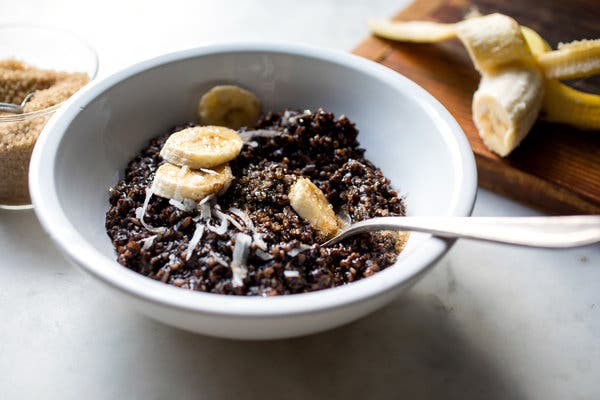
pixel 285 256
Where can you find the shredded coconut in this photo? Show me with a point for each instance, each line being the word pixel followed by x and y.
pixel 243 216
pixel 297 250
pixel 258 241
pixel 239 258
pixel 140 212
pixel 147 242
pixel 248 135
pixel 291 274
pixel 185 205
pixel 292 120
pixel 221 229
pixel 204 206
pixel 218 258
pixel 220 214
pixel 194 240
pixel 263 255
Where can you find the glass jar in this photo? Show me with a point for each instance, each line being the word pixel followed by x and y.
pixel 62 56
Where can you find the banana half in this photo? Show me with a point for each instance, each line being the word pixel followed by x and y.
pixel 311 205
pixel 506 105
pixel 181 183
pixel 230 106
pixel 202 147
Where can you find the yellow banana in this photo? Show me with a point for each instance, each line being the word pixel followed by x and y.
pixel 519 72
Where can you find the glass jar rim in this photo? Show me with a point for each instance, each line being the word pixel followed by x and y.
pixel 48 110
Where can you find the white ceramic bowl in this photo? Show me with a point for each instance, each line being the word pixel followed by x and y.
pixel 406 132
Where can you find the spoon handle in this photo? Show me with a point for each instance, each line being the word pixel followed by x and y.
pixel 554 232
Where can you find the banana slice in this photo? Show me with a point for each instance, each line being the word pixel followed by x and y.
pixel 506 105
pixel 202 146
pixel 229 106
pixel 311 204
pixel 181 183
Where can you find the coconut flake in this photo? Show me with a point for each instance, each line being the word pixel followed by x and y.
pixel 291 274
pixel 243 216
pixel 140 212
pixel 194 240
pixel 204 206
pixel 257 239
pixel 292 120
pixel 185 205
pixel 220 214
pixel 263 255
pixel 147 242
pixel 248 135
pixel 252 143
pixel 218 258
pixel 297 250
pixel 239 258
pixel 221 229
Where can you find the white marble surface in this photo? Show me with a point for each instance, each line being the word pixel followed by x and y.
pixel 489 321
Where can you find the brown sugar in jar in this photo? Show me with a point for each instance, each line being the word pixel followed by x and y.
pixel 19 132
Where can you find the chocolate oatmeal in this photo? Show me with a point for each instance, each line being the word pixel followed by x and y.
pixel 251 226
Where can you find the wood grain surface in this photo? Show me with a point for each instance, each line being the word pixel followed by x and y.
pixel 557 167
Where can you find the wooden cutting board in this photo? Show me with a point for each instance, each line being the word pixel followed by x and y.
pixel 556 168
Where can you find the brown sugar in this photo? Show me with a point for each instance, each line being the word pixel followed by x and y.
pixel 18 133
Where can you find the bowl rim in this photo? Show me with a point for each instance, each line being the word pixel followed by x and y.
pixel 48 28
pixel 54 221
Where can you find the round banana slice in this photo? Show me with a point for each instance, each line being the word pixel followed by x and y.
pixel 229 106
pixel 181 183
pixel 202 146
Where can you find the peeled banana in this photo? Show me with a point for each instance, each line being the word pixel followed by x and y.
pixel 182 183
pixel 506 105
pixel 517 80
pixel 311 204
pixel 202 146
pixel 230 106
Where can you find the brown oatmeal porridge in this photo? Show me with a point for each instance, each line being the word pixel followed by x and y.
pixel 283 255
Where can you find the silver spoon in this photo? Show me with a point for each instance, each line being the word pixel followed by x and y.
pixel 554 232
pixel 16 108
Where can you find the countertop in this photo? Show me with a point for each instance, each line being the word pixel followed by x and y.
pixel 490 321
